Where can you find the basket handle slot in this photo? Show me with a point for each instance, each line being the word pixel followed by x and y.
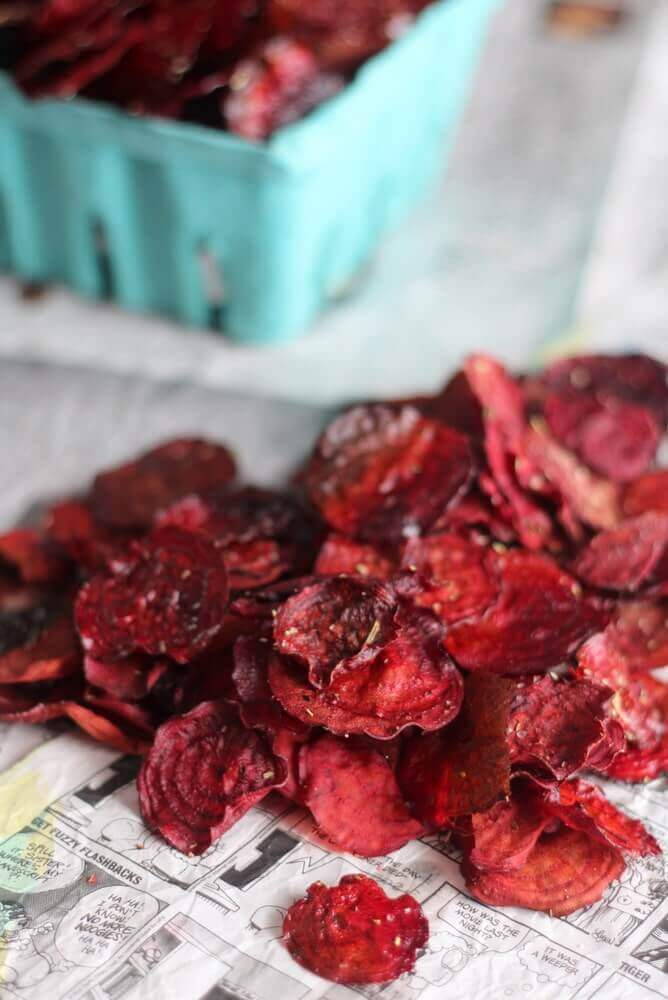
pixel 103 261
pixel 213 285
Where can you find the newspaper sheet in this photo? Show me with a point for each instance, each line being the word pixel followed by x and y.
pixel 95 907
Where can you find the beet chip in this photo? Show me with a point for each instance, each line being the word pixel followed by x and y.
pixel 354 797
pixel 503 837
pixel 339 622
pixel 39 702
pixel 31 555
pixel 204 771
pixel 263 535
pixel 639 632
pixel 627 557
pixel 130 496
pixel 383 473
pixel 560 726
pixel 649 492
pixel 565 871
pixel 344 555
pixel 632 377
pixel 466 767
pixel 125 727
pixel 452 577
pixel 354 933
pixel 168 598
pixel 128 680
pixel 583 806
pixel 37 638
pixel 541 617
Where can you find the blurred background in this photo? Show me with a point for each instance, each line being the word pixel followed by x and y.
pixel 546 233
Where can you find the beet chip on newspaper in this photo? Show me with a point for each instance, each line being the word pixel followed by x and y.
pixel 354 933
pixel 381 472
pixel 204 771
pixel 168 596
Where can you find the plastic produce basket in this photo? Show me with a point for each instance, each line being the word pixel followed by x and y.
pixel 216 231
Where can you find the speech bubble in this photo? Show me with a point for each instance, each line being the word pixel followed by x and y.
pixel 489 928
pixel 31 862
pixel 554 964
pixel 102 922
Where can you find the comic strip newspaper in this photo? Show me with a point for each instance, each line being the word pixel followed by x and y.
pixel 95 907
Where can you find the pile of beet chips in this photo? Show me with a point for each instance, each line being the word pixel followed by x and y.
pixel 246 65
pixel 449 622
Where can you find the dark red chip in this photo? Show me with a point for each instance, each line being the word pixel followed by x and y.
pixel 503 837
pixel 354 933
pixel 451 577
pixel 354 797
pixel 168 597
pixel 203 772
pixel 71 527
pixel 464 768
pixel 263 535
pixel 628 557
pixel 31 555
pixel 639 632
pixel 385 473
pixel 560 725
pixel 583 806
pixel 565 871
pixel 37 638
pixel 131 495
pixel 125 727
pixel 633 377
pixel 342 621
pixel 540 618
pixel 340 554
pixel 127 680
pixel 38 703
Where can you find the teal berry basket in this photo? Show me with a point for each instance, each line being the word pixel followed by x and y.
pixel 215 231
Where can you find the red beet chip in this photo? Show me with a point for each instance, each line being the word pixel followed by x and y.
pixel 340 554
pixel 540 618
pixel 560 726
pixel 503 837
pixel 72 529
pixel 125 727
pixel 583 806
pixel 264 535
pixel 565 871
pixel 354 797
pixel 475 513
pixel 127 680
pixel 39 702
pixel 466 767
pixel 627 557
pixel 131 495
pixel 633 377
pixel 635 764
pixel 452 577
pixel 649 492
pixel 410 681
pixel 203 772
pixel 278 85
pixel 168 598
pixel 37 638
pixel 31 555
pixel 639 632
pixel 381 473
pixel 354 933
pixel 614 438
pixel 338 622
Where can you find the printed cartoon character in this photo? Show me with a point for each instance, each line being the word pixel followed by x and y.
pixel 22 963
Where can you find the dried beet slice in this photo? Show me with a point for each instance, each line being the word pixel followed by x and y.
pixel 354 933
pixel 452 577
pixel 649 492
pixel 474 512
pixel 379 473
pixel 628 556
pixel 263 534
pixel 127 680
pixel 37 638
pixel 168 598
pixel 125 727
pixel 540 618
pixel 639 632
pixel 130 495
pixel 635 765
pixel 634 377
pixel 30 554
pixel 582 806
pixel 340 621
pixel 318 708
pixel 411 681
pixel 71 527
pixel 37 703
pixel 559 725
pixel 503 837
pixel 466 767
pixel 340 554
pixel 203 772
pixel 565 871
pixel 354 797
